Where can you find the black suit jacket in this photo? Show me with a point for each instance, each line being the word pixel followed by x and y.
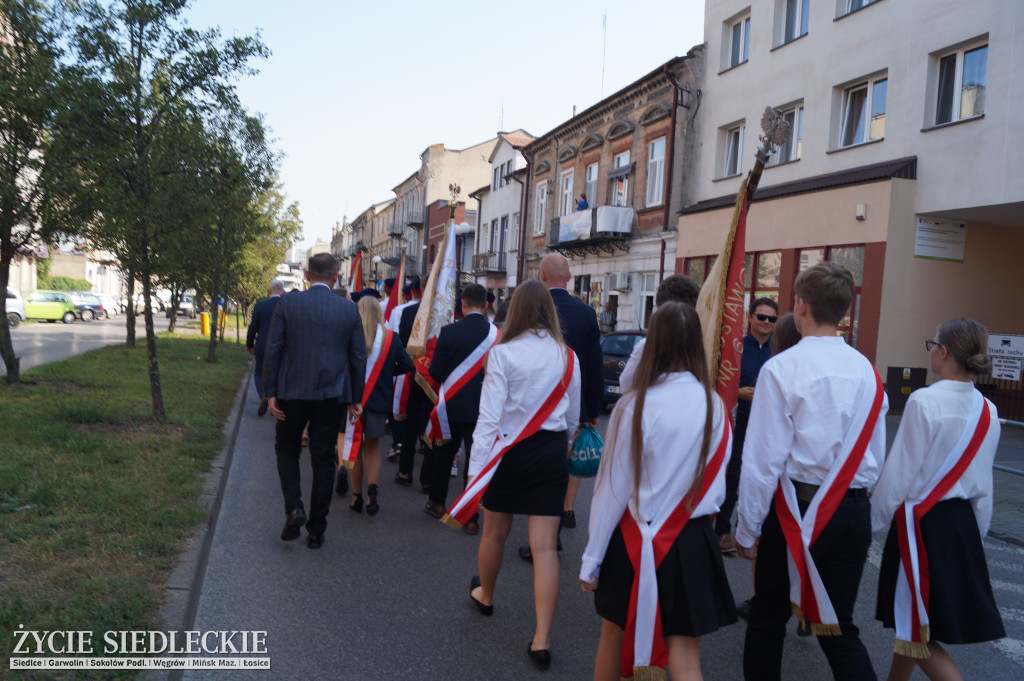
pixel 406 322
pixel 315 348
pixel 582 335
pixel 259 327
pixel 454 344
pixel 398 362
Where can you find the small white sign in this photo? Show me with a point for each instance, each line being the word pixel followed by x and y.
pixel 940 239
pixel 1006 345
pixel 1004 369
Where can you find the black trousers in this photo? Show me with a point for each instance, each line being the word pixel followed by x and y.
pixel 442 457
pixel 839 554
pixel 324 417
pixel 257 374
pixel 418 411
pixel 723 521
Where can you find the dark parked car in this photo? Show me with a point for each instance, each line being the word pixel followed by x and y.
pixel 616 348
pixel 87 306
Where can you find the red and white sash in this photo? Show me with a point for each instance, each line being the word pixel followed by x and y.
pixel 806 590
pixel 911 600
pixel 466 505
pixel 643 645
pixel 374 365
pixel 400 403
pixel 438 428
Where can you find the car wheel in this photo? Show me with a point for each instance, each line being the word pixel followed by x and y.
pixel 13 319
pixel 68 317
pixel 88 315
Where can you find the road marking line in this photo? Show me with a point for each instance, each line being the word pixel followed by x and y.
pixel 1003 546
pixel 1012 614
pixel 1013 567
pixel 1012 648
pixel 1000 585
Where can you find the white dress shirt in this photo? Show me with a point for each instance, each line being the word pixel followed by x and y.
pixel 392 323
pixel 626 377
pixel 932 423
pixel 672 440
pixel 806 400
pixel 518 379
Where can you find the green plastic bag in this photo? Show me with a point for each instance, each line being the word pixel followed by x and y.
pixel 585 456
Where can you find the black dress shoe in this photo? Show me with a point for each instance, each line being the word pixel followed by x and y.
pixel 484 609
pixel 541 658
pixel 341 488
pixel 357 504
pixel 315 541
pixel 372 507
pixel 294 522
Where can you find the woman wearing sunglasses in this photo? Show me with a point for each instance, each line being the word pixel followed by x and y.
pixel 935 494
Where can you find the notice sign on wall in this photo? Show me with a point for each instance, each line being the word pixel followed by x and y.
pixel 940 239
pixel 1007 353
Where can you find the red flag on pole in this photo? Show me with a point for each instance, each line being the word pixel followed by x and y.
pixel 396 291
pixel 720 307
pixel 355 274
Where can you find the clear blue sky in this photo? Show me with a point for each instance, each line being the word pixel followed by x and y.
pixel 355 91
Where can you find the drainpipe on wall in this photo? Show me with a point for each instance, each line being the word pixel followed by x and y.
pixel 521 260
pixel 671 152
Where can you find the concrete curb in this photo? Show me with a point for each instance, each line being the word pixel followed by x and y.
pixel 185 584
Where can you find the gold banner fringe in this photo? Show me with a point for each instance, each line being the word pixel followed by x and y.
pixel 914 649
pixel 819 629
pixel 451 522
pixel 422 382
pixel 648 673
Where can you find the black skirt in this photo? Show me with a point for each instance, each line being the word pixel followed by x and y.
pixel 693 589
pixel 532 477
pixel 961 607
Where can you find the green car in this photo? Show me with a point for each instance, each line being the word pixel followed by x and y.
pixel 50 305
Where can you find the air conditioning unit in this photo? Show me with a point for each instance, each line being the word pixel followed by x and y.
pixel 618 281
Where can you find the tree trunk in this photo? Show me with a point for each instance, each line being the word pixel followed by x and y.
pixel 211 355
pixel 154 368
pixel 130 317
pixel 6 346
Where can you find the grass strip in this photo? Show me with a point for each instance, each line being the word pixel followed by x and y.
pixel 95 496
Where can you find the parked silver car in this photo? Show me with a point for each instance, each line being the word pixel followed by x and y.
pixel 15 307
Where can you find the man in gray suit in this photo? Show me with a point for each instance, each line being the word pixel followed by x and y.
pixel 315 366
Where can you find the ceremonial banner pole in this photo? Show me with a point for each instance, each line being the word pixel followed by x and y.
pixel 720 304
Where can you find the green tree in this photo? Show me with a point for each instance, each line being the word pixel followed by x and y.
pixel 143 66
pixel 29 74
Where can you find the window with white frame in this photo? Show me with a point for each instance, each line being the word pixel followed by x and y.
pixel 494 182
pixel 862 116
pixel 591 185
pixel 790 20
pixel 540 208
pixel 846 6
pixel 655 171
pixel 620 185
pixel 736 40
pixel 792 148
pixel 959 83
pixel 648 287
pixel 566 205
pixel 731 145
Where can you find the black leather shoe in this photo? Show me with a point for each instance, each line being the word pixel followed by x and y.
pixel 403 479
pixel 484 609
pixel 315 541
pixel 341 488
pixel 371 501
pixel 435 510
pixel 743 610
pixel 569 520
pixel 264 404
pixel 357 504
pixel 541 658
pixel 294 522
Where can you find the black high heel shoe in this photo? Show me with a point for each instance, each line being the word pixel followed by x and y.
pixel 484 609
pixel 541 658
pixel 357 504
pixel 371 505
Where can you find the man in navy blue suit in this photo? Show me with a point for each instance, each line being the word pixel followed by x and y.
pixel 315 366
pixel 256 337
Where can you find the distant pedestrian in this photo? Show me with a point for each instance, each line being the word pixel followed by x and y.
pixel 256 337
pixel 935 494
pixel 385 358
pixel 607 319
pixel 529 407
pixel 315 363
pixel 582 204
pixel 662 477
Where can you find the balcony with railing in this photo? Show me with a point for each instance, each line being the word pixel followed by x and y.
pixel 489 263
pixel 599 229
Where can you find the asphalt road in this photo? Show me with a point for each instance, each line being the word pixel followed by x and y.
pixel 40 342
pixel 387 597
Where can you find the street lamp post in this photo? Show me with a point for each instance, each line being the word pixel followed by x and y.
pixel 376 278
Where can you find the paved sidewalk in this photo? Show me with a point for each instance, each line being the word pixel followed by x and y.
pixel 387 597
